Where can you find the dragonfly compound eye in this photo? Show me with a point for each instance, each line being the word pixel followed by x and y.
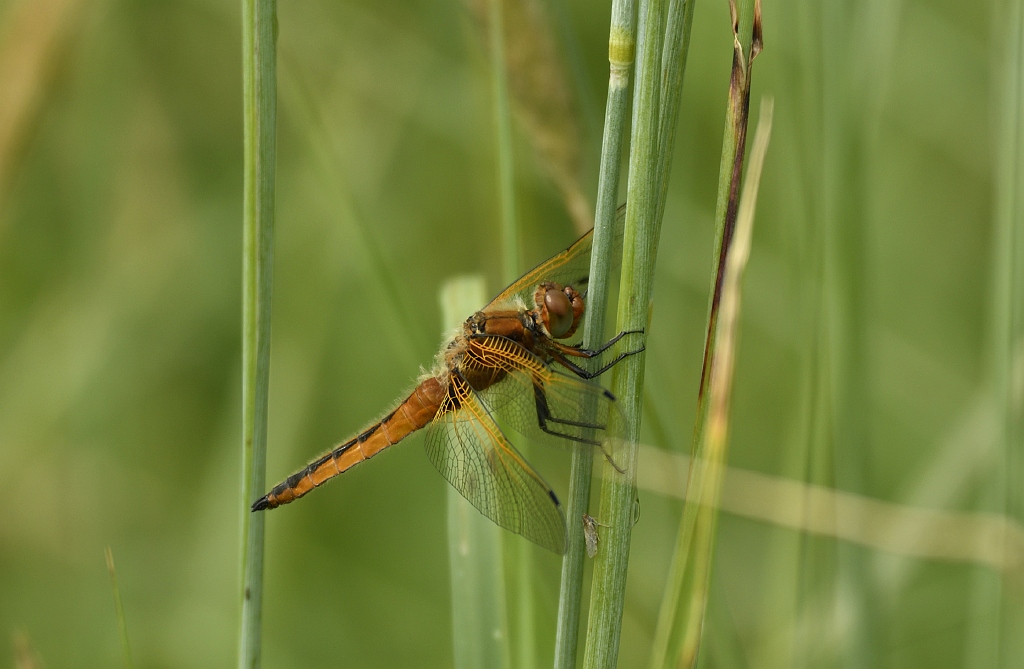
pixel 560 313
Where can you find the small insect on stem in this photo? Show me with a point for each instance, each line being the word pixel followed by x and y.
pixel 590 535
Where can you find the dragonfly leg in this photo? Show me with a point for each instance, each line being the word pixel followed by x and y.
pixel 544 417
pixel 585 374
pixel 608 456
pixel 591 352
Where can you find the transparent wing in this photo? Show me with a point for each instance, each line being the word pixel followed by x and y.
pixel 571 267
pixel 541 402
pixel 470 451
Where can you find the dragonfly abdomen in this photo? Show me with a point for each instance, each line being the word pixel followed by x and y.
pixel 414 413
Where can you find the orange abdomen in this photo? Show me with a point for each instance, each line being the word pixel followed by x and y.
pixel 414 413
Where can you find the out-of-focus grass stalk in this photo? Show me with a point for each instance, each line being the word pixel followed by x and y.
pixel 540 95
pixel 479 628
pixel 503 144
pixel 859 45
pixel 621 47
pixel 34 38
pixel 297 98
pixel 259 76
pixel 793 560
pixel 519 556
pixel 618 492
pixel 24 656
pixel 705 480
pixel 677 634
pixel 1008 316
pixel 122 626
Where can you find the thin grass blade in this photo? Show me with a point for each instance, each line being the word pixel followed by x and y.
pixel 1007 324
pixel 705 479
pixel 676 628
pixel 259 70
pixel 122 625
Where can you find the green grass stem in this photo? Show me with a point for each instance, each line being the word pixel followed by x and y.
pixel 122 625
pixel 479 625
pixel 1007 322
pixel 299 100
pixel 259 68
pixel 621 46
pixel 705 478
pixel 618 491
pixel 678 628
pixel 503 144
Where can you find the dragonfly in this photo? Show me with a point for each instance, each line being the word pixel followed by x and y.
pixel 509 361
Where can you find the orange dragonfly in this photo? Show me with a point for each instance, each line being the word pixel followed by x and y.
pixel 504 361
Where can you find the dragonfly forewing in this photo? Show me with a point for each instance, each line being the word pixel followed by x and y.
pixel 571 267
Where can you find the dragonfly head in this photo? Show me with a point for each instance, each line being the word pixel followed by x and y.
pixel 560 308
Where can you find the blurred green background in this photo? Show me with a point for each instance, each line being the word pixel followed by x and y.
pixel 876 353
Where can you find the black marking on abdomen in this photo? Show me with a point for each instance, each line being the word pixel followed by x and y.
pixel 369 432
pixel 294 479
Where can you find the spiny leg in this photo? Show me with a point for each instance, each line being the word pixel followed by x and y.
pixel 591 352
pixel 585 374
pixel 544 417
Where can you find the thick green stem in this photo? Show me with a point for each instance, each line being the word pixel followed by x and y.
pixel 618 492
pixel 259 65
pixel 621 44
